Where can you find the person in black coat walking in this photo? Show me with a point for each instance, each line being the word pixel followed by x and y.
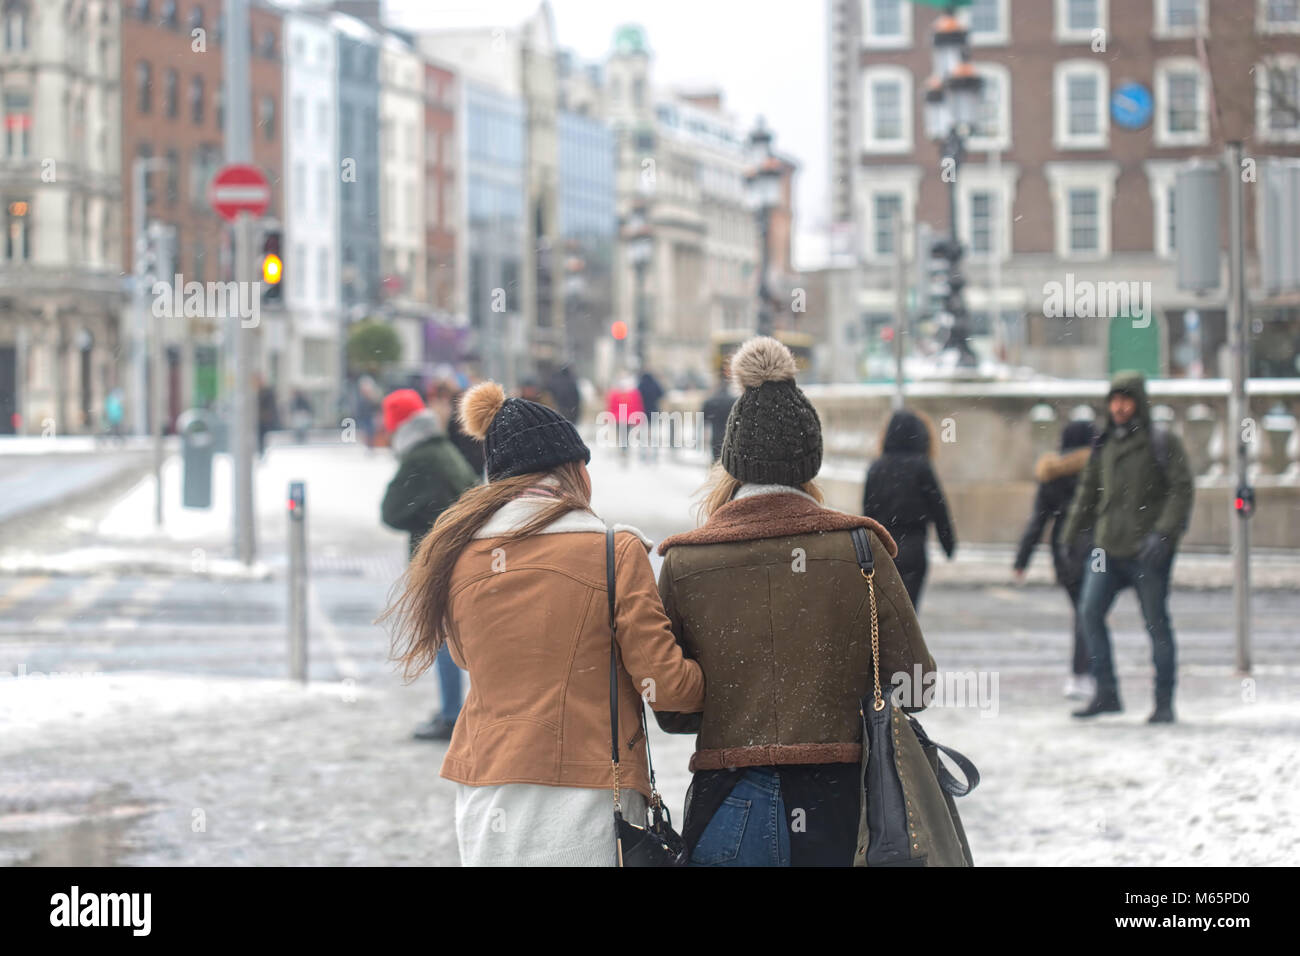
pixel 903 494
pixel 717 409
pixel 1058 475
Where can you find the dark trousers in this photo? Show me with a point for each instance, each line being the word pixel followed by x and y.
pixel 1151 582
pixel 912 563
pixel 1079 661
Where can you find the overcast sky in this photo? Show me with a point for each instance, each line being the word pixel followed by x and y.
pixel 768 56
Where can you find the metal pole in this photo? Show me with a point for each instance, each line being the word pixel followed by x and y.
pixel 641 329
pixel 238 135
pixel 1239 408
pixel 298 581
pixel 139 400
pixel 900 308
pixel 157 360
pixel 764 303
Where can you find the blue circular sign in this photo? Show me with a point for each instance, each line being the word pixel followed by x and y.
pixel 1130 106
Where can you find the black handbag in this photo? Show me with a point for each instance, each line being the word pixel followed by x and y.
pixel 906 819
pixel 656 843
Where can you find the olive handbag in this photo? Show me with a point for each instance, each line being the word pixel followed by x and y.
pixel 907 815
pixel 656 843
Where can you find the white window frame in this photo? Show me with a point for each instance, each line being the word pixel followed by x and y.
pixel 1263 104
pixel 1065 176
pixel 1263 26
pixel 1062 138
pixel 1002 141
pixel 1060 26
pixel 873 41
pixel 903 180
pixel 1160 26
pixel 1001 181
pixel 1162 175
pixel 904 76
pixel 1163 136
pixel 1000 37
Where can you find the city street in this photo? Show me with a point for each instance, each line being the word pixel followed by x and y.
pixel 145 715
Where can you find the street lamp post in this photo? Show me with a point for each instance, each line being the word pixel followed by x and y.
pixel 763 193
pixel 952 99
pixel 640 240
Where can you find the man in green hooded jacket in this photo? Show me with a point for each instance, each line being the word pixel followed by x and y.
pixel 1136 494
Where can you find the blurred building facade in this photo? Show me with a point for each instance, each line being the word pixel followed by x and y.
pixel 1061 180
pixel 61 291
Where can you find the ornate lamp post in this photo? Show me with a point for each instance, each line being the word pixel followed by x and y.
pixel 763 194
pixel 952 102
pixel 640 246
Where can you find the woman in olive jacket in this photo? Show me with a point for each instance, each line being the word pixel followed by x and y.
pixel 767 595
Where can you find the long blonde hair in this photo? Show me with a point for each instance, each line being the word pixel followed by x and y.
pixel 720 487
pixel 421 611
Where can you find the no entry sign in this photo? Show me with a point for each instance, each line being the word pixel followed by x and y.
pixel 239 188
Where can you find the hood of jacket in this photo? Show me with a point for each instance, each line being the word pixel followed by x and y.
pixel 1132 384
pixel 419 428
pixel 906 433
pixel 1052 466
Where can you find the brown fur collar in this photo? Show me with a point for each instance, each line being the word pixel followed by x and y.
pixel 1052 466
pixel 774 516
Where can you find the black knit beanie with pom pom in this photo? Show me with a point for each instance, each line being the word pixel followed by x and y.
pixel 774 436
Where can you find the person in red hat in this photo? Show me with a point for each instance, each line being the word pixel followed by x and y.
pixel 430 478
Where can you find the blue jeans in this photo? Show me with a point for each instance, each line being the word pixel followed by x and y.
pixel 1151 582
pixel 750 828
pixel 448 684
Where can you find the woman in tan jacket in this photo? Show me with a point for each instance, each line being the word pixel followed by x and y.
pixel 512 579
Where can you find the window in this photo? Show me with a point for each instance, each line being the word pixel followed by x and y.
pixel 323 275
pixel 299 117
pixel 886 23
pixel 1078 20
pixel 18 124
pixel 299 186
pixel 888 107
pixel 168 17
pixel 988 22
pixel 992 127
pixel 266 117
pixel 1277 94
pixel 196 23
pixel 1081 118
pixel 1182 103
pixel 15 25
pixel 1279 16
pixel 142 8
pixel 170 94
pixel 299 261
pixel 1082 194
pixel 16 239
pixel 173 176
pixel 1179 18
pixel 144 86
pixel 322 119
pixel 985 201
pixel 887 206
pixel 145 151
pixel 323 189
pixel 266 47
pixel 1162 174
pixel 982 211
pixel 196 100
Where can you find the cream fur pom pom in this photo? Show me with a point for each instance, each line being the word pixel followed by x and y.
pixel 760 360
pixel 479 406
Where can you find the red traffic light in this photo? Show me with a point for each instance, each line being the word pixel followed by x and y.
pixel 618 330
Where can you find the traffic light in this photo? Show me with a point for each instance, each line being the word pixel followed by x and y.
pixel 941 271
pixel 272 267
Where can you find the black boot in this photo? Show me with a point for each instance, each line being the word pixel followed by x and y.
pixel 438 728
pixel 1105 702
pixel 1164 712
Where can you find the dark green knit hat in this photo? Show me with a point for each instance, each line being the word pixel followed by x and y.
pixel 774 436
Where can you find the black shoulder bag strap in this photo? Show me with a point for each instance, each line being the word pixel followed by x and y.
pixel 613 681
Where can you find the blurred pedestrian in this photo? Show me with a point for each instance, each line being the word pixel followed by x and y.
pixel 444 398
pixel 1136 495
pixel 1058 475
pixel 786 648
pixel 652 394
pixel 512 578
pixel 623 402
pixel 268 417
pixel 717 407
pixel 431 476
pixel 367 408
pixel 113 412
pixel 903 493
pixel 564 390
pixel 300 415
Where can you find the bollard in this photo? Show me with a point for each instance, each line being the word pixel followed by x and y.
pixel 298 581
